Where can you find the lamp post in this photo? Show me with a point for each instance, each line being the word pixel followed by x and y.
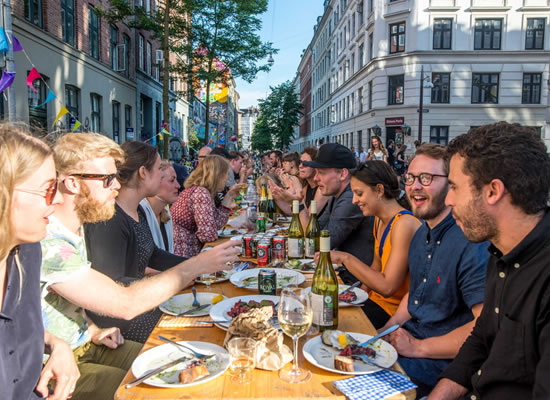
pixel 421 108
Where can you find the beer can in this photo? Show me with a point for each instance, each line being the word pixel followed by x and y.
pixel 247 244
pixel 267 282
pixel 260 224
pixel 255 240
pixel 279 248
pixel 263 251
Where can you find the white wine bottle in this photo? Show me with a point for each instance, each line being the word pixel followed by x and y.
pixel 295 234
pixel 324 289
pixel 313 232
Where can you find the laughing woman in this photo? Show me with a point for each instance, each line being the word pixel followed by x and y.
pixel 27 173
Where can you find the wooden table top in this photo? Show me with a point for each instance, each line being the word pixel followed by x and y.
pixel 265 384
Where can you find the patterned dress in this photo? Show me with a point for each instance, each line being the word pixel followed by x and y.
pixel 196 220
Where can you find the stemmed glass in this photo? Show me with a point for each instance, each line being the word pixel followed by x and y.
pixel 295 316
pixel 207 279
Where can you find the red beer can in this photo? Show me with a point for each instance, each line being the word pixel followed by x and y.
pixel 279 248
pixel 263 250
pixel 247 246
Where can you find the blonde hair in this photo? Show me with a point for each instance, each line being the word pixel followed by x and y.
pixel 164 165
pixel 208 173
pixel 72 149
pixel 20 156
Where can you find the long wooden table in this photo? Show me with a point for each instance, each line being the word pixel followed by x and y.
pixel 265 384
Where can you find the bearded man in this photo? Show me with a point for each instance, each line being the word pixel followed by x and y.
pixel 87 170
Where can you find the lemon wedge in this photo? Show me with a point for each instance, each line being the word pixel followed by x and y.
pixel 342 340
pixel 217 299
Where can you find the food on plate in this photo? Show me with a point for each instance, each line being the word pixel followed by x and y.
pixel 217 299
pixel 221 274
pixel 242 307
pixel 281 281
pixel 308 266
pixel 356 350
pixel 349 347
pixel 348 297
pixel 343 363
pixel 194 371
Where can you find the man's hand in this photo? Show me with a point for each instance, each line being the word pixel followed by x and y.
pixel 229 198
pixel 405 344
pixel 109 337
pixel 216 259
pixel 60 366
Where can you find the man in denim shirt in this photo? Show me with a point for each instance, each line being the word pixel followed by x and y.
pixel 447 276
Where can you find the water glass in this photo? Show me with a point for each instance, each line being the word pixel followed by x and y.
pixel 242 353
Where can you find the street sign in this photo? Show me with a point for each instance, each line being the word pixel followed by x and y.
pixel 395 121
pixel 424 110
pixel 129 133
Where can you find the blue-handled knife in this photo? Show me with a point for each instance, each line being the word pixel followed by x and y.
pixel 381 334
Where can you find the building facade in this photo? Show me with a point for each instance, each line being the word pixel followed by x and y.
pixel 303 82
pixel 472 62
pixel 248 120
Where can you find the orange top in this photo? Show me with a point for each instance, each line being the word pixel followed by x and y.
pixel 389 304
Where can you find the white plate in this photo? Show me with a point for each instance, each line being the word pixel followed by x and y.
pixel 229 232
pixel 290 277
pixel 362 296
pixel 169 378
pixel 322 355
pixel 284 219
pixel 238 237
pixel 225 277
pixel 303 261
pixel 220 311
pixel 182 302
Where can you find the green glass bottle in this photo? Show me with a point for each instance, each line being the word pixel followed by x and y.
pixel 324 289
pixel 271 209
pixel 262 205
pixel 295 234
pixel 313 232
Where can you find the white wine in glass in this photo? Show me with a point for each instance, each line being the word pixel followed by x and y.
pixel 207 279
pixel 242 352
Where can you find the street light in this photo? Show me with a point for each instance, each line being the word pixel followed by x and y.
pixel 421 109
pixel 270 60
pixel 376 130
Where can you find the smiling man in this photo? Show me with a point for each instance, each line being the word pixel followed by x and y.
pixel 499 184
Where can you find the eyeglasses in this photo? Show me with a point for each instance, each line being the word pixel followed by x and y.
pixel 49 194
pixel 106 178
pixel 424 178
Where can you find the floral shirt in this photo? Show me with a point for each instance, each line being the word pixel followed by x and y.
pixel 63 255
pixel 196 220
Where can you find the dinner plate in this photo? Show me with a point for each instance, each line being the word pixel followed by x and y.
pixel 219 312
pixel 178 304
pixel 165 353
pixel 322 355
pixel 362 296
pixel 292 266
pixel 229 232
pixel 223 276
pixel 248 279
pixel 284 219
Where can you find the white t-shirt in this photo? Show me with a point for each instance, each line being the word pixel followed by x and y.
pixel 377 155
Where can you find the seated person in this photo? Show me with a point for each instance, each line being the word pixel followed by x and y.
pixel 195 216
pixel 376 191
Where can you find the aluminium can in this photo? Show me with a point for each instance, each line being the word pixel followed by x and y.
pixel 247 244
pixel 264 253
pixel 267 282
pixel 260 224
pixel 279 248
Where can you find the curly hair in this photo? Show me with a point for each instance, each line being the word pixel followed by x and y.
pixel 512 153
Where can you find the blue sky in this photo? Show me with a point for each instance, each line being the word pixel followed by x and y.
pixel 289 25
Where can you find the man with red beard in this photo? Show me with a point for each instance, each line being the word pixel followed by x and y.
pixel 500 180
pixel 447 276
pixel 87 167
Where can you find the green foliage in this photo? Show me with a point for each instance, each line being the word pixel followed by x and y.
pixel 261 135
pixel 193 139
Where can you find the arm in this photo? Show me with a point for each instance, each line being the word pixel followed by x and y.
pixel 447 390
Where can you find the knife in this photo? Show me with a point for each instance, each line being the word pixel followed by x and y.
pixel 384 333
pixel 156 371
pixel 193 310
pixel 351 287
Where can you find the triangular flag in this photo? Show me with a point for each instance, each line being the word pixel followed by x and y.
pixel 16 45
pixel 62 112
pixel 33 75
pixel 160 135
pixel 155 140
pixel 165 132
pixel 76 125
pixel 3 40
pixel 7 80
pixel 51 96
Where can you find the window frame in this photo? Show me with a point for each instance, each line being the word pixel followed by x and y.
pixel 115 114
pixel 141 52
pixel 441 85
pixel 534 30
pixel 72 93
pixel 29 12
pixel 481 90
pixel 127 44
pixel 67 13
pixel 149 54
pixel 442 31
pixel 369 84
pixel 94 23
pixel 531 86
pixel 113 47
pixel 398 35
pixel 438 137
pixel 392 100
pixel 95 99
pixel 482 31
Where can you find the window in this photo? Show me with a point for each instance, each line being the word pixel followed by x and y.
pixel 397 37
pixel 360 12
pixel 148 59
pixel 360 99
pixel 38 116
pixel 93 27
pixel 141 55
pixel 534 36
pixel 72 102
pixel 485 88
pixel 141 113
pixel 487 34
pixel 439 134
pixel 126 41
pixel 395 89
pixel 114 50
pixel 441 87
pixel 33 11
pixel 371 47
pixel 353 64
pixel 67 21
pixel 442 33
pixel 371 6
pixel 128 120
pixel 361 55
pixel 370 95
pixel 95 101
pixel 147 6
pixel 531 88
pixel 116 121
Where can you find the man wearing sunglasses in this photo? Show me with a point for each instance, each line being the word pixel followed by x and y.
pixel 87 166
pixel 447 276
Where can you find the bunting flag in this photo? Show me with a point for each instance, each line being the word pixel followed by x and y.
pixel 62 112
pixel 3 40
pixel 165 132
pixel 33 75
pixel 51 96
pixel 76 125
pixel 154 140
pixel 16 45
pixel 7 80
pixel 160 135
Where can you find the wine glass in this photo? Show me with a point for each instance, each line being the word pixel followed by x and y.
pixel 295 316
pixel 242 352
pixel 207 279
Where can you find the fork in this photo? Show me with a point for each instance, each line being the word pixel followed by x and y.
pixel 195 301
pixel 198 355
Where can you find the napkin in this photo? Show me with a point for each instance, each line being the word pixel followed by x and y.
pixel 169 321
pixel 376 386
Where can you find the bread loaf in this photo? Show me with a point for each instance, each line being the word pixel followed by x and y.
pixel 343 363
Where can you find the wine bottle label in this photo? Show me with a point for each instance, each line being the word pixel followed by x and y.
pixel 310 248
pixel 324 244
pixel 295 248
pixel 313 207
pixel 295 207
pixel 323 309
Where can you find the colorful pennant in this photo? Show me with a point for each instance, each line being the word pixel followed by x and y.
pixel 3 40
pixel 62 112
pixel 33 75
pixel 154 140
pixel 51 96
pixel 76 125
pixel 16 45
pixel 7 80
pixel 160 135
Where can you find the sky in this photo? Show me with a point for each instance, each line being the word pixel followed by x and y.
pixel 289 25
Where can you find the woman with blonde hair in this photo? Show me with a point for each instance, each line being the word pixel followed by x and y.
pixel 377 150
pixel 28 172
pixel 195 216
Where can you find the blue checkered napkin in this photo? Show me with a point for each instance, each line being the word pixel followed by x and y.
pixel 377 386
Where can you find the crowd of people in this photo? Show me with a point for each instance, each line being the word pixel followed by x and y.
pixel 451 244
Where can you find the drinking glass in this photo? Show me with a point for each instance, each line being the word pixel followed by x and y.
pixel 207 279
pixel 242 353
pixel 295 316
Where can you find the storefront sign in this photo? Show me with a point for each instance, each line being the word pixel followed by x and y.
pixel 395 121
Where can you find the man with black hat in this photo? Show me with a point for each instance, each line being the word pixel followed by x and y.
pixel 350 230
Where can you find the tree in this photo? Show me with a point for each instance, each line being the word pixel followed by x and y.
pixel 261 135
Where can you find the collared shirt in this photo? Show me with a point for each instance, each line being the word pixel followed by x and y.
pixel 507 356
pixel 21 330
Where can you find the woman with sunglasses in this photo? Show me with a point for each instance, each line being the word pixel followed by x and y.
pixel 376 192
pixel 137 254
pixel 28 173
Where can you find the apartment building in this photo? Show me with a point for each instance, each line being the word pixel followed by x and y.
pixel 248 120
pixel 472 62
